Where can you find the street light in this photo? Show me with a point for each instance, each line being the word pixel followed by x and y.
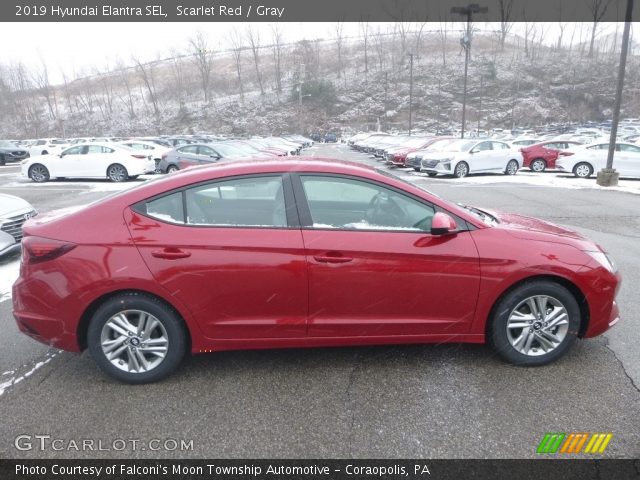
pixel 467 11
pixel 608 177
pixel 410 89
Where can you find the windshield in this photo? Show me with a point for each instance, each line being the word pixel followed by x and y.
pixel 459 146
pixel 5 144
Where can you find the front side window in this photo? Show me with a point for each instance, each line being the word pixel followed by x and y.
pixel 73 151
pixel 481 147
pixel 349 204
pixel 190 149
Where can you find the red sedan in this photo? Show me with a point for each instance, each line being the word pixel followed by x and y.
pixel 543 155
pixel 301 253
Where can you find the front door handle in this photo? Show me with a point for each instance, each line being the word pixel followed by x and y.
pixel 170 254
pixel 327 258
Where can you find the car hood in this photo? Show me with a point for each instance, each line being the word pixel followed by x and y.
pixel 10 205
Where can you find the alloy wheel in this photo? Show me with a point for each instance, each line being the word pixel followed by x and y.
pixel 117 173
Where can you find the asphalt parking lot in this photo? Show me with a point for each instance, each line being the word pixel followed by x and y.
pixel 431 401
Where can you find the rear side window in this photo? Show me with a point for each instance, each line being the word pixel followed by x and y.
pixel 168 208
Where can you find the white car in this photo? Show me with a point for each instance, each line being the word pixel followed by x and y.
pixel 14 211
pixel 148 148
pixel 47 146
pixel 462 157
pixel 90 160
pixel 584 160
pixel 523 142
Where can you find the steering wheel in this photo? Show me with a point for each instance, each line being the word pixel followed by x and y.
pixel 384 211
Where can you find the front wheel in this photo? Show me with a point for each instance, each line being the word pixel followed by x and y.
pixel 136 338
pixel 512 167
pixel 432 174
pixel 39 173
pixel 535 323
pixel 461 170
pixel 583 170
pixel 117 173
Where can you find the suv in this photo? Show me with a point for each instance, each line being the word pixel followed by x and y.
pixel 10 152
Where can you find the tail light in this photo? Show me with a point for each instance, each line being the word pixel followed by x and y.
pixel 38 249
pixel 138 156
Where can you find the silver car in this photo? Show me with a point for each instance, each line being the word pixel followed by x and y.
pixel 14 212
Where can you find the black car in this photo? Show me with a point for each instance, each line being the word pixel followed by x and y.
pixel 10 152
pixel 330 138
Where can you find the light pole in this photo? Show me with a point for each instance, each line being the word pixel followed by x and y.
pixel 467 11
pixel 410 89
pixel 480 106
pixel 608 177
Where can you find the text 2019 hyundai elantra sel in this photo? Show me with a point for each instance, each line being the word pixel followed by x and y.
pixel 302 253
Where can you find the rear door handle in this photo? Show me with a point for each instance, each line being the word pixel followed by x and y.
pixel 332 259
pixel 170 254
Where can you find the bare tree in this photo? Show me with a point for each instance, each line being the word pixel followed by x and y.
pixel 202 58
pixel 41 81
pixel 338 27
pixel 236 50
pixel 506 7
pixel 597 8
pixel 364 33
pixel 254 42
pixel 378 42
pixel 442 40
pixel 276 38
pixel 147 75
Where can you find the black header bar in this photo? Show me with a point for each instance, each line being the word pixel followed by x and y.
pixel 306 10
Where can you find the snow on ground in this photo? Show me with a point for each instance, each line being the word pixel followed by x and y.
pixel 12 377
pixel 8 274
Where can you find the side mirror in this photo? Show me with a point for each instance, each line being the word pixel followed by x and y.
pixel 474 151
pixel 443 224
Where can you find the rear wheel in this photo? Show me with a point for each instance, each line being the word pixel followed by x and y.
pixel 535 324
pixel 461 170
pixel 538 165
pixel 512 167
pixel 117 173
pixel 583 170
pixel 172 168
pixel 39 173
pixel 136 338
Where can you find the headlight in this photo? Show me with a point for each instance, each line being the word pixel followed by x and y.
pixel 603 259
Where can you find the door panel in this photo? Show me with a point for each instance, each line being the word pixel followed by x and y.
pixel 391 283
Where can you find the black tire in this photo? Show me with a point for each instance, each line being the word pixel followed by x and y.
pixel 44 152
pixel 39 173
pixel 461 170
pixel 417 169
pixel 133 177
pixel 499 334
pixel 583 170
pixel 538 165
pixel 172 168
pixel 170 320
pixel 432 174
pixel 2 160
pixel 512 167
pixel 117 173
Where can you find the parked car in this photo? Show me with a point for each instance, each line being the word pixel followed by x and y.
pixel 46 146
pixel 397 155
pixel 14 211
pixel 584 160
pixel 227 257
pixel 9 152
pixel 90 160
pixel 414 159
pixel 462 157
pixel 153 149
pixel 524 141
pixel 197 154
pixel 543 155
pixel 330 138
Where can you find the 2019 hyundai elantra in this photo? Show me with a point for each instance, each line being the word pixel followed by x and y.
pixel 302 253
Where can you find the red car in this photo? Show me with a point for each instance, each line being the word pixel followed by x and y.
pixel 301 253
pixel 543 155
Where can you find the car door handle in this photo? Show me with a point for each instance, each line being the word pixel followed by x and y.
pixel 170 254
pixel 331 259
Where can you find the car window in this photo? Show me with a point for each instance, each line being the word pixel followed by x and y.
pixel 629 148
pixel 500 146
pixel 350 204
pixel 599 146
pixel 73 150
pixel 205 150
pixel 189 149
pixel 251 202
pixel 552 146
pixel 167 208
pixel 483 146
